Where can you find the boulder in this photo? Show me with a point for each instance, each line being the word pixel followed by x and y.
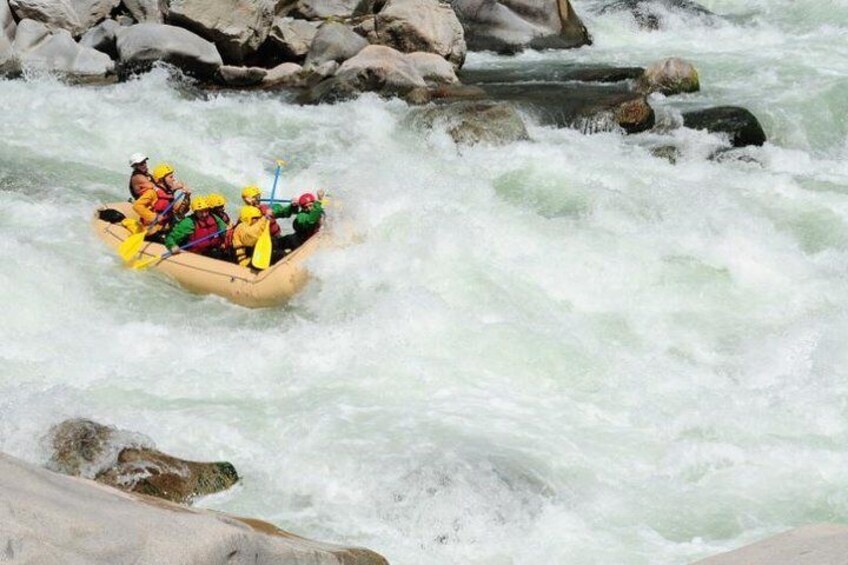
pixel 289 39
pixel 421 25
pixel 670 76
pixel 240 76
pixel 650 14
pixel 469 123
pixel 434 69
pixel 739 124
pixel 128 461
pixel 376 68
pixel 50 518
pixel 102 37
pixel 508 26
pixel 545 72
pixel 323 9
pixel 144 10
pixel 39 48
pixel 334 42
pixel 53 13
pixel 236 27
pixel 92 12
pixel 817 544
pixel 634 115
pixel 7 36
pixel 141 45
pixel 286 74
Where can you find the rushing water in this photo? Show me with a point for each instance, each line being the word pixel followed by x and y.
pixel 560 351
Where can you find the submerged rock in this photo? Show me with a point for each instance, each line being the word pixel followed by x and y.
pixel 141 45
pixel 650 14
pixel 39 48
pixel 421 25
pixel 84 448
pixel 739 124
pixel 49 518
pixel 469 123
pixel 508 26
pixel 670 76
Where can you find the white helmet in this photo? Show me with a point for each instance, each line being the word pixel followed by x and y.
pixel 137 158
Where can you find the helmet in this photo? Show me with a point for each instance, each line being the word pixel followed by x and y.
pixel 215 200
pixel 248 213
pixel 305 199
pixel 161 171
pixel 251 191
pixel 199 203
pixel 137 158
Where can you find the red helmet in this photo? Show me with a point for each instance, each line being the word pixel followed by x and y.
pixel 305 199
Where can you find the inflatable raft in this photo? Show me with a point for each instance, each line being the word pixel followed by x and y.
pixel 204 275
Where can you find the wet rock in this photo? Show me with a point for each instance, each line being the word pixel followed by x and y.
pixel 102 37
pixel 434 69
pixel 668 152
pixel 469 123
pixel 566 72
pixel 739 124
pixel 650 14
pixel 635 115
pixel 670 76
pixel 144 11
pixel 508 26
pixel 323 9
pixel 421 25
pixel 141 45
pixel 334 42
pixel 92 12
pixel 286 74
pixel 39 48
pixel 127 461
pixel 290 39
pixel 8 64
pixel 236 27
pixel 50 518
pixel 240 76
pixel 457 92
pixel 53 13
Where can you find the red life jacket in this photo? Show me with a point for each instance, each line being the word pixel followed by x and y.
pixel 204 228
pixel 274 227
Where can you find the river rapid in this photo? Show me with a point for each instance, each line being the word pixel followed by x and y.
pixel 565 350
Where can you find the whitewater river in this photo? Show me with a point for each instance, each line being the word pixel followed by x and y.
pixel 559 351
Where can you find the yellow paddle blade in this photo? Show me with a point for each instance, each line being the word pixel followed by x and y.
pixel 262 251
pixel 130 247
pixel 281 163
pixel 146 262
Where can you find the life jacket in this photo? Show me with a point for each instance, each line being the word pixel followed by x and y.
pixel 228 236
pixel 133 195
pixel 163 201
pixel 204 228
pixel 274 226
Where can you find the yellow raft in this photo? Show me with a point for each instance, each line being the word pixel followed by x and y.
pixel 205 275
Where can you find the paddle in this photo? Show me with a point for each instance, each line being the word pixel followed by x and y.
pixel 262 250
pixel 131 246
pixel 144 263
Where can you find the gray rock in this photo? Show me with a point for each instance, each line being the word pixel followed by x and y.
pixel 508 26
pixel 286 74
pixel 144 10
pixel 92 12
pixel 650 14
pixel 236 27
pixel 434 69
pixel 141 45
pixel 7 21
pixel 818 544
pixel 469 123
pixel 102 37
pixel 240 76
pixel 670 76
pixel 39 48
pixel 739 124
pixel 51 518
pixel 322 9
pixel 290 38
pixel 334 42
pixel 421 25
pixel 53 13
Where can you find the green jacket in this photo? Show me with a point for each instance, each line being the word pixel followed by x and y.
pixel 307 223
pixel 283 210
pixel 183 230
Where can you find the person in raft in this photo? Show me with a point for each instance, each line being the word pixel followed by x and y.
pixel 251 196
pixel 154 208
pixel 140 180
pixel 199 226
pixel 217 202
pixel 246 233
pixel 308 220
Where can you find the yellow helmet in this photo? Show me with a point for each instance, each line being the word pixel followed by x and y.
pixel 248 213
pixel 199 203
pixel 251 191
pixel 215 200
pixel 161 171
